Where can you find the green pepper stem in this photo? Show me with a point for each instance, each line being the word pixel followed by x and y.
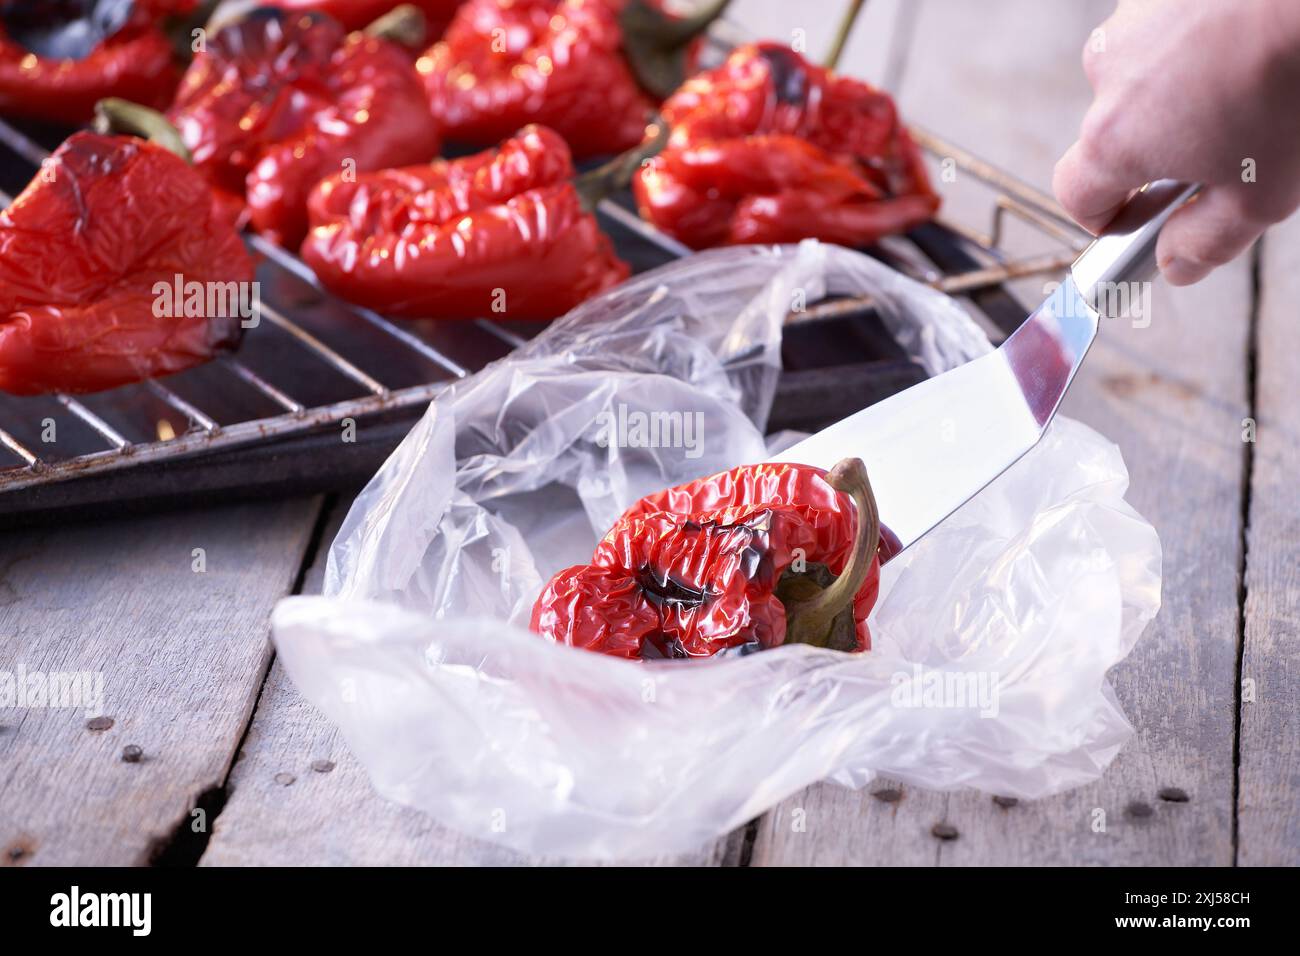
pixel 842 34
pixel 809 622
pixel 655 42
pixel 595 184
pixel 405 25
pixel 113 115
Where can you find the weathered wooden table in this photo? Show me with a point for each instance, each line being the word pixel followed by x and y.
pixel 237 769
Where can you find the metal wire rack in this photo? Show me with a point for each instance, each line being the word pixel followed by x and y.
pixel 268 417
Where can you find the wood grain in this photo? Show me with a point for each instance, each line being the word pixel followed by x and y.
pixel 1269 794
pixel 182 655
pixel 1003 80
pixel 298 797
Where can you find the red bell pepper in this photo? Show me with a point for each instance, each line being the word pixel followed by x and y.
pixel 757 556
pixel 355 14
pixel 84 251
pixel 771 148
pixel 504 231
pixel 276 103
pixel 505 63
pixel 561 63
pixel 120 52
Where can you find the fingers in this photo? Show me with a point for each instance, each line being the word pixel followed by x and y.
pixel 1090 188
pixel 1100 171
pixel 1211 230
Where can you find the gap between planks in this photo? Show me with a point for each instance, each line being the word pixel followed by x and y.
pixel 186 846
pixel 169 608
pixel 1268 769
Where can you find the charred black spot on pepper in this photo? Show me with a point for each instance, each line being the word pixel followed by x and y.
pixel 663 590
pixel 660 647
pixel 789 76
pixel 751 562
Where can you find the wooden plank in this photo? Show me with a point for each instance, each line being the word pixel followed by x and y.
pixel 181 654
pixel 1269 794
pixel 1003 79
pixel 298 796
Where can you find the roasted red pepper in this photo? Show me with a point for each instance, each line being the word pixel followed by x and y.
pixel 747 557
pixel 355 14
pixel 58 58
pixel 505 63
pixel 503 231
pixel 278 102
pixel 771 148
pixel 83 252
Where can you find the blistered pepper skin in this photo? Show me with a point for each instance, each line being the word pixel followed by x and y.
pixel 693 570
pixel 769 148
pixel 503 64
pixel 355 14
pixel 498 233
pixel 82 249
pixel 279 102
pixel 135 63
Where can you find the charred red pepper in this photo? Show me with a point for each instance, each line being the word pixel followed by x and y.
pixel 771 148
pixel 504 231
pixel 355 14
pixel 761 555
pixel 505 63
pixel 562 63
pixel 83 251
pixel 58 58
pixel 278 102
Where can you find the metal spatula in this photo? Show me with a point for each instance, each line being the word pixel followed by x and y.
pixel 932 447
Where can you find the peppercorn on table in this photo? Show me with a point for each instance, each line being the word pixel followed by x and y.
pixel 206 755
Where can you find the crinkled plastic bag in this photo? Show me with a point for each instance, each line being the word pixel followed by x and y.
pixel 991 639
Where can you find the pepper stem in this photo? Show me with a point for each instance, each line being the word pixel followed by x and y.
pixel 655 42
pixel 595 184
pixel 404 25
pixel 842 34
pixel 812 621
pixel 113 115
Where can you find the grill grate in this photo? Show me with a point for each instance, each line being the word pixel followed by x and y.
pixel 268 417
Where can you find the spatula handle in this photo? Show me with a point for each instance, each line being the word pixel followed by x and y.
pixel 1126 249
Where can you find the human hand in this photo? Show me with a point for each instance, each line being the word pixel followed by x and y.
pixel 1196 90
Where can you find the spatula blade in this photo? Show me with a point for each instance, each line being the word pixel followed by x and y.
pixel 932 447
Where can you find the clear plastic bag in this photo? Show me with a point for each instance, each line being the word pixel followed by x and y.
pixel 991 639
